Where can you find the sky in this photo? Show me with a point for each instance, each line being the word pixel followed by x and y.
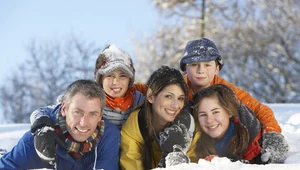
pixel 288 116
pixel 101 22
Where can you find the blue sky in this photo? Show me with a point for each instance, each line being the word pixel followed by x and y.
pixel 103 22
pixel 98 21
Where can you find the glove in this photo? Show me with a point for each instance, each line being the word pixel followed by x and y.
pixel 180 132
pixel 274 148
pixel 176 157
pixel 175 135
pixel 45 139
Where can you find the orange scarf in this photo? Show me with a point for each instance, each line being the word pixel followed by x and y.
pixel 190 91
pixel 121 103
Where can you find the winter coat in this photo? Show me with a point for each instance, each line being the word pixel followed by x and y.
pixel 118 118
pixel 264 114
pixel 132 145
pixel 104 156
pixel 249 120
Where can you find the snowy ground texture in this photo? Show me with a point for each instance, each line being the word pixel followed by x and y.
pixel 288 116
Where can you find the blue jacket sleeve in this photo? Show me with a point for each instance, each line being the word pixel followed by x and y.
pixel 22 156
pixel 40 112
pixel 108 148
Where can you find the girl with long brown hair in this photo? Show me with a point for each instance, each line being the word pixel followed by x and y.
pixel 230 129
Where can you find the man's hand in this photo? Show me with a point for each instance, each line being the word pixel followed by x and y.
pixel 45 139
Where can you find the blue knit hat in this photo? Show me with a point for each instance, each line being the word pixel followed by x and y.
pixel 200 50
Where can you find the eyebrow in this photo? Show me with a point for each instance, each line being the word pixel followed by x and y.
pixel 88 112
pixel 210 110
pixel 217 108
pixel 174 94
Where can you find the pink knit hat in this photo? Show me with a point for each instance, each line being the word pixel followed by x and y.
pixel 111 59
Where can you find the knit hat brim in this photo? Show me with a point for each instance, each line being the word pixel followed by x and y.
pixel 116 66
pixel 198 58
pixel 112 59
pixel 113 67
pixel 200 50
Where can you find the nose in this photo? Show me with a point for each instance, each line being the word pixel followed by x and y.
pixel 175 104
pixel 209 119
pixel 84 120
pixel 199 68
pixel 115 80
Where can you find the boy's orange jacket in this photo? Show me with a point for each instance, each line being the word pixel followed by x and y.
pixel 263 113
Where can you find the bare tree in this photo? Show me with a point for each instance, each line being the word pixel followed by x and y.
pixel 258 39
pixel 50 67
pixel 264 50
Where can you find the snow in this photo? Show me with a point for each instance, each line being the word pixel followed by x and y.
pixel 288 116
pixel 10 134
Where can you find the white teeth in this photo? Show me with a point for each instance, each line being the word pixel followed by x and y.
pixel 117 90
pixel 81 130
pixel 170 112
pixel 213 127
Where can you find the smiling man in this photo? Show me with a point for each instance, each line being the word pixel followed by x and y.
pixel 83 140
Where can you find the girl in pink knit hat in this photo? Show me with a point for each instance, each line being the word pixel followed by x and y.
pixel 114 71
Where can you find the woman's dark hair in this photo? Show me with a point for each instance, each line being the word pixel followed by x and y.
pixel 159 79
pixel 226 98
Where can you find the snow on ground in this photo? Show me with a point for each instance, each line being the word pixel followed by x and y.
pixel 288 116
pixel 10 134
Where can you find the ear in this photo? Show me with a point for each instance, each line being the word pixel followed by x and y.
pixel 217 69
pixel 99 79
pixel 101 116
pixel 63 109
pixel 150 96
pixel 100 82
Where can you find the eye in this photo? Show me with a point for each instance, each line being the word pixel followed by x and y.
pixel 193 65
pixel 181 98
pixel 76 112
pixel 208 65
pixel 108 75
pixel 93 114
pixel 168 96
pixel 216 112
pixel 123 75
pixel 202 114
